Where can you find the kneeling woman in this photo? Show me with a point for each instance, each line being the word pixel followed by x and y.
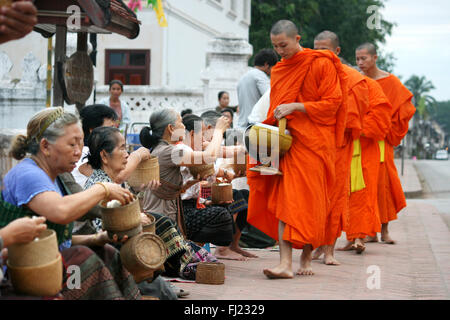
pixel 163 138
pixel 108 157
pixel 54 140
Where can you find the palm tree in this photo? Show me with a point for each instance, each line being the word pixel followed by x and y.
pixel 419 86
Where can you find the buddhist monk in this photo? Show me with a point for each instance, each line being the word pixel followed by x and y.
pixel 308 88
pixel 357 104
pixel 391 198
pixel 364 219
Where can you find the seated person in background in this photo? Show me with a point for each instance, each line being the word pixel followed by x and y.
pixel 229 113
pixel 240 196
pixel 199 213
pixel 32 187
pixel 98 115
pixel 224 102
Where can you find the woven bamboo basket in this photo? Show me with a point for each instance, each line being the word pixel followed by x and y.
pixel 221 192
pixel 142 255
pixel 204 170
pixel 151 227
pixel 42 281
pixel 39 252
pixel 145 172
pixel 123 218
pixel 130 233
pixel 210 273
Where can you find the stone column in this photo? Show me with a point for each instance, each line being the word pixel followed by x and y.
pixel 226 61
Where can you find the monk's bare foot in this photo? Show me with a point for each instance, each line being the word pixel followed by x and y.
pixel 371 239
pixel 279 272
pixel 317 253
pixel 387 239
pixel 359 246
pixel 226 253
pixel 305 262
pixel 329 259
pixel 347 247
pixel 242 252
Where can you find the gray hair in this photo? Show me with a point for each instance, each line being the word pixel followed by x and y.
pixel 210 118
pixel 31 143
pixel 159 120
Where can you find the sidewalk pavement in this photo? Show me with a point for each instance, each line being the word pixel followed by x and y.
pixel 409 179
pixel 416 268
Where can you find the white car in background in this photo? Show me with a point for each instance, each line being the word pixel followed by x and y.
pixel 442 155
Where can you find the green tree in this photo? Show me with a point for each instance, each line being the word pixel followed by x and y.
pixel 441 115
pixel 347 18
pixel 419 87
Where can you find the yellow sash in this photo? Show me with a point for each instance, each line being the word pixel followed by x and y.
pixel 357 178
pixel 381 145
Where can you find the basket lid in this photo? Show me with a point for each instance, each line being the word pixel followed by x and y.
pixel 150 250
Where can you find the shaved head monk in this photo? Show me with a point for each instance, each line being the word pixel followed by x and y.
pixel 368 120
pixel 308 88
pixel 391 198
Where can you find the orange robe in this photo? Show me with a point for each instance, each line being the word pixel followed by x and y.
pixel 391 198
pixel 364 219
pixel 357 104
pixel 300 198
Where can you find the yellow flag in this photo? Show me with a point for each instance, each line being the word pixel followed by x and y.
pixel 160 14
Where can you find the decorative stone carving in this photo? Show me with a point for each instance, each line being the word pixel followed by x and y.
pixel 30 67
pixel 226 61
pixel 5 66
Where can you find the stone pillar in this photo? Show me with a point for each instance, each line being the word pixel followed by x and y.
pixel 226 61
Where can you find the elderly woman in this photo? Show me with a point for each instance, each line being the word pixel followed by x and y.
pixel 54 141
pixel 108 158
pixel 163 137
pixel 95 116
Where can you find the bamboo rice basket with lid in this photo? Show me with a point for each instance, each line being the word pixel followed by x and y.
pixel 41 281
pixel 123 218
pixel 36 267
pixel 142 255
pixel 221 192
pixel 145 172
pixel 204 170
pixel 40 251
pixel 210 273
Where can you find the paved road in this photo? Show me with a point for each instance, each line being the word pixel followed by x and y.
pixel 435 179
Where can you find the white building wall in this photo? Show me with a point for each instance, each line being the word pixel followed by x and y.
pixel 178 52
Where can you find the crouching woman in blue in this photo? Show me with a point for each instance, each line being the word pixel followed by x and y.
pixel 54 141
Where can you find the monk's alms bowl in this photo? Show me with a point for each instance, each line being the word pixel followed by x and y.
pixel 263 142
